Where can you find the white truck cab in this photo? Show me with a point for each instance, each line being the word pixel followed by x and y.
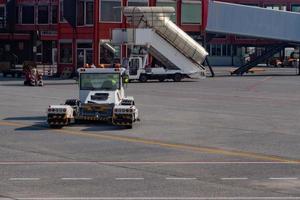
pixel 139 70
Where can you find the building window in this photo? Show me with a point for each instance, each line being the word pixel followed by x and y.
pixel 276 7
pixel 219 49
pixel 109 53
pixel 17 15
pixel 191 12
pixel 43 14
pixel 61 11
pixel 54 14
pixel 171 3
pixel 250 4
pixel 85 13
pixel 27 14
pixel 295 8
pixel 137 2
pixel 65 53
pixel 39 53
pixel 110 10
pixel 2 16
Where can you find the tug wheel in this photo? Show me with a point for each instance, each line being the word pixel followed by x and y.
pixel 55 126
pixel 143 78
pixel 177 77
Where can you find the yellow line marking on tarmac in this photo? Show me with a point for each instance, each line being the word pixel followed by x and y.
pixel 210 150
pixel 5 123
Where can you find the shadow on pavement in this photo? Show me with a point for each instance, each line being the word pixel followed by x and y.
pixel 90 126
pixel 35 127
pixel 33 118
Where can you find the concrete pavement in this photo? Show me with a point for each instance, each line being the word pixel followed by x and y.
pixel 218 138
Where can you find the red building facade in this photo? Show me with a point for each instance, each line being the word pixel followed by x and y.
pixel 41 33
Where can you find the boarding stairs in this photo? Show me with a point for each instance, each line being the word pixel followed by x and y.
pixel 249 65
pixel 165 41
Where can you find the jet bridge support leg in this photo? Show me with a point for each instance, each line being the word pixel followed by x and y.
pixel 210 68
pixel 298 64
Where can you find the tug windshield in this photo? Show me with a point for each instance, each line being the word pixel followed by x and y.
pixel 97 81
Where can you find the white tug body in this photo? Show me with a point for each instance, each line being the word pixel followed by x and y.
pixel 101 98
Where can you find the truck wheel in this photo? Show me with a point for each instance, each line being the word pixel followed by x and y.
pixel 128 126
pixel 72 102
pixel 143 78
pixel 177 77
pixel 161 79
pixel 56 126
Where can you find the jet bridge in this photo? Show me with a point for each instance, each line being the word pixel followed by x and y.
pixel 252 21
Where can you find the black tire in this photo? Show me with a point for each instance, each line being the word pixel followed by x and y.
pixel 72 102
pixel 162 79
pixel 4 74
pixel 13 75
pixel 56 126
pixel 177 77
pixel 128 126
pixel 143 78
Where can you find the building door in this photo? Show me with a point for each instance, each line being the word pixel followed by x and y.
pixel 84 56
pixel 54 56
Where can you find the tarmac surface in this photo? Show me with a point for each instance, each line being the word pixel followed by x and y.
pixel 227 137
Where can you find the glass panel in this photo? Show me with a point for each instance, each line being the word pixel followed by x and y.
pixel 111 11
pixel 43 14
pixel 2 17
pixel 89 13
pixel 191 13
pixel 89 57
pixel 80 58
pixel 224 50
pixel 66 53
pixel 295 8
pixel 228 50
pixel 61 11
pixel 17 15
pixel 276 7
pixel 137 3
pixel 27 15
pixel 213 50
pixel 110 53
pixel 218 49
pixel 169 4
pixel 85 45
pixel 54 13
pixel 94 81
pixel 80 13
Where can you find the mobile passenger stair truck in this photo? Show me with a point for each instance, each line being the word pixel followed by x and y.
pixel 101 99
pixel 180 55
